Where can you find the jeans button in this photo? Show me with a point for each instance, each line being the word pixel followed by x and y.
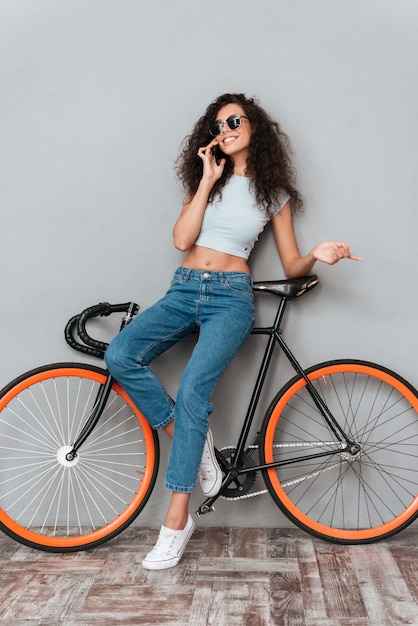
pixel 206 275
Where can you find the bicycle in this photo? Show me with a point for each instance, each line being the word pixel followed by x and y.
pixel 337 446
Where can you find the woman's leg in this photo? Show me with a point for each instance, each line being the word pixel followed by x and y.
pixel 176 517
pixel 129 355
pixel 224 314
pixel 225 321
pixel 178 511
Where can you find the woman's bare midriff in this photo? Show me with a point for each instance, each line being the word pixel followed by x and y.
pixel 200 258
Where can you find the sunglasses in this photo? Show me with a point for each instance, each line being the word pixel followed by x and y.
pixel 233 121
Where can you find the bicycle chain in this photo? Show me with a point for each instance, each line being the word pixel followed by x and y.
pixel 289 483
pixel 247 495
pixel 296 444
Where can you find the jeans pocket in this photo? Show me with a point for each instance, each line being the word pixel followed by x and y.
pixel 177 279
pixel 242 286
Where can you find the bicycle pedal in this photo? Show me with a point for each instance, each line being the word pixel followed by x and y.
pixel 203 509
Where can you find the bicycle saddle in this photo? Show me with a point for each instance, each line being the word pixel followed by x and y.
pixel 289 288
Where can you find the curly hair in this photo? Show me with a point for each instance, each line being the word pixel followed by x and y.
pixel 269 161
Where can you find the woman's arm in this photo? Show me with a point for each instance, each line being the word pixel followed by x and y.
pixel 294 264
pixel 187 228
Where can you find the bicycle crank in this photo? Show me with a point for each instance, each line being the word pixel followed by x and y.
pixel 242 483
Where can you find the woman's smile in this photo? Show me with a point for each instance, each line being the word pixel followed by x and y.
pixel 228 140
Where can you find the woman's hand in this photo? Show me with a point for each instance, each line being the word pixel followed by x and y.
pixel 212 170
pixel 333 251
pixel 293 263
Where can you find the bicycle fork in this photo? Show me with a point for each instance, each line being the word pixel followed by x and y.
pixel 101 399
pixel 99 405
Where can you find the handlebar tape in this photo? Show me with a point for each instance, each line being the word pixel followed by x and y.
pixel 77 325
pixel 103 308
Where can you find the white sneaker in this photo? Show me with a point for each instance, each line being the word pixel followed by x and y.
pixel 169 548
pixel 210 474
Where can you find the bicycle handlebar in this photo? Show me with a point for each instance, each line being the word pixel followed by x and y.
pixel 77 326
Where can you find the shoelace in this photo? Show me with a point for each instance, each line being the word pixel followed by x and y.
pixel 207 468
pixel 207 473
pixel 164 544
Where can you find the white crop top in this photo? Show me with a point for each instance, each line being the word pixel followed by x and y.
pixel 232 224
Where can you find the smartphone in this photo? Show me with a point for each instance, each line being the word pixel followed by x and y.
pixel 217 153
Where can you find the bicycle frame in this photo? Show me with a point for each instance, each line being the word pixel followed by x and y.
pixel 231 469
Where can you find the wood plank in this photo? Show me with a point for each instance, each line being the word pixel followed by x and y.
pixel 343 599
pixel 250 566
pixel 311 583
pixel 217 542
pixel 344 621
pixel 404 550
pixel 137 605
pixel 281 542
pixel 248 542
pixel 236 604
pixel 286 601
pixel 201 605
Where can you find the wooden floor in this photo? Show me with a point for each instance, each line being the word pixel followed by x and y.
pixel 227 577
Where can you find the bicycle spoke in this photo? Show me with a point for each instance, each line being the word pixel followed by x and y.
pixel 59 503
pixel 356 494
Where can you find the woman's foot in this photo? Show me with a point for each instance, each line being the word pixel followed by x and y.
pixel 169 548
pixel 210 474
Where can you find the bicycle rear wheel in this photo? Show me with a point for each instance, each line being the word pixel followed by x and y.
pixel 340 497
pixel 52 504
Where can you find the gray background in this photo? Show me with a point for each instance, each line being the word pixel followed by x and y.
pixel 96 97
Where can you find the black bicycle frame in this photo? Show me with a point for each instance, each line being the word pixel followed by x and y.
pixel 98 408
pixel 274 334
pixel 231 469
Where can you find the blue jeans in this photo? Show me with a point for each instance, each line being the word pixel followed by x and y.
pixel 220 306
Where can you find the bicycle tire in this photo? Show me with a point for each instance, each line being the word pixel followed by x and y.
pixel 52 504
pixel 345 498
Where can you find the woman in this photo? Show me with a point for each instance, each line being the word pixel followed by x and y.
pixel 237 173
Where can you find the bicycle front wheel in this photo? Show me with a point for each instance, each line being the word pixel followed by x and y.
pixel 361 496
pixel 50 503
